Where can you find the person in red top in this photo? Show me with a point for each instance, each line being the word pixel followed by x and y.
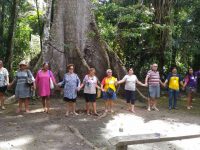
pixel 109 90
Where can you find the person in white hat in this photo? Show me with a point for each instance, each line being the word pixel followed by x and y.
pixel 24 80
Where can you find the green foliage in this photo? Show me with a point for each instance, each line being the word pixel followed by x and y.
pixel 27 25
pixel 91 34
pixel 132 32
pixel 128 30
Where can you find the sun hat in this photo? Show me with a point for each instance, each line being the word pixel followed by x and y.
pixel 23 62
pixel 108 71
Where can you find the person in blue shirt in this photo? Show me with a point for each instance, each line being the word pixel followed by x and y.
pixel 71 84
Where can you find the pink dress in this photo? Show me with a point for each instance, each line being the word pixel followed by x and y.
pixel 43 82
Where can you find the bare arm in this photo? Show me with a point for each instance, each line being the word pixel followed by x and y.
pixel 181 83
pixel 121 81
pixel 7 79
pixel 97 86
pixel 146 80
pixel 102 87
pixel 163 84
pixel 11 84
pixel 82 85
pixel 34 85
pixel 140 83
pixel 184 85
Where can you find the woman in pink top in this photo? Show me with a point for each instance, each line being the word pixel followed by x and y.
pixel 43 85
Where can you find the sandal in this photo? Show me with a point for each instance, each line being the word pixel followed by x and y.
pixel 96 114
pixel 66 114
pixel 18 111
pixel 75 113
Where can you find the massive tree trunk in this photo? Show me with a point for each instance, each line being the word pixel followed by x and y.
pixel 162 15
pixel 40 26
pixel 44 36
pixel 11 33
pixel 2 8
pixel 74 38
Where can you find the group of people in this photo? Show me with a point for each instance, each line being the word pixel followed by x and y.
pixel 174 82
pixel 71 84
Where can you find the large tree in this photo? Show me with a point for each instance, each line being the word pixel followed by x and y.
pixel 74 38
pixel 11 33
pixel 162 16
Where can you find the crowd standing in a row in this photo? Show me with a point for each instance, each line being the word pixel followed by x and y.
pixel 71 84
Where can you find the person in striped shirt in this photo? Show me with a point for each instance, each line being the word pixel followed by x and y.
pixel 153 81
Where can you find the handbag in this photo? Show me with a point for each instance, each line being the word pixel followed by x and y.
pixel 51 82
pixel 29 79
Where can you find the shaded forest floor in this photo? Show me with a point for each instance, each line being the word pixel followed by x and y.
pixel 38 130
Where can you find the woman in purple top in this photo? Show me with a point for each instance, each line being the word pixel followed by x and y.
pixel 190 85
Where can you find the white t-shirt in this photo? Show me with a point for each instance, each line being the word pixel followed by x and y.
pixel 3 76
pixel 90 84
pixel 130 82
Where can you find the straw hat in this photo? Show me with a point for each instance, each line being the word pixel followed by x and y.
pixel 23 62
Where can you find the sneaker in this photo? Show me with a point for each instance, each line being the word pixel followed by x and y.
pixel 128 109
pixel 133 111
pixel 75 113
pixel 149 109
pixel 112 111
pixel 48 111
pixel 18 111
pixel 96 114
pixel 3 107
pixel 45 110
pixel 66 114
pixel 188 107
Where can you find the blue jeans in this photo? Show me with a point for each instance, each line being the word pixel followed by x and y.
pixel 107 96
pixel 173 96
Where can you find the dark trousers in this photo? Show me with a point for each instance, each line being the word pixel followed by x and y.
pixel 173 96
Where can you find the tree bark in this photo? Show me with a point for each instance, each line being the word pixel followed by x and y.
pixel 2 9
pixel 11 34
pixel 40 29
pixel 74 38
pixel 162 16
pixel 44 37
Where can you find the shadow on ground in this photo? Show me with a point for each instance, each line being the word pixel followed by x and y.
pixel 39 130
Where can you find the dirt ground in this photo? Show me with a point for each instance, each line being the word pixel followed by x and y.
pixel 40 131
